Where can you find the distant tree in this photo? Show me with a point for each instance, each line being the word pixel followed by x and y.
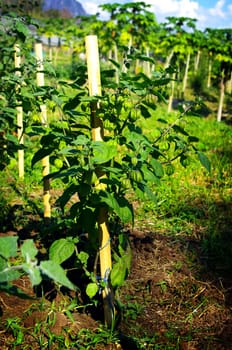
pixel 22 7
pixel 54 13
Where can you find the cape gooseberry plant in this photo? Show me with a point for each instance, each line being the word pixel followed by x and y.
pixel 17 84
pixel 127 161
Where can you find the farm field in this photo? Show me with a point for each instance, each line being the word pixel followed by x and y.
pixel 178 293
pixel 116 189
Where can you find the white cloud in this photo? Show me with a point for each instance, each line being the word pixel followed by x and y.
pixel 217 10
pixel 177 8
pixel 219 16
pixel 92 7
pixel 230 9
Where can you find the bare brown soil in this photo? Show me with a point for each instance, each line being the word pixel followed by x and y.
pixel 170 296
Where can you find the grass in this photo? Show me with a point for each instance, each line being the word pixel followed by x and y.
pixel 191 203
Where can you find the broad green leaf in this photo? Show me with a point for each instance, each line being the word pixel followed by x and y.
pixel 72 103
pixel 9 275
pixel 8 246
pixel 61 250
pixel 125 210
pixel 12 138
pixel 148 175
pixel 157 167
pixel 91 290
pixel 193 139
pixel 115 63
pixel 67 194
pixel 29 250
pixel 179 129
pixel 81 140
pixel 204 161
pixel 13 290
pixel 69 151
pixel 145 112
pixel 3 263
pixel 34 273
pixel 118 274
pixel 120 205
pixel 103 151
pixel 40 154
pixel 22 30
pixel 56 273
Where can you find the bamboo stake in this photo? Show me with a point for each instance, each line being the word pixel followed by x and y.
pixel 221 98
pixel 186 74
pixel 94 82
pixel 19 109
pixel 45 160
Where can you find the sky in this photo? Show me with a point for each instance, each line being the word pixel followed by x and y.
pixel 209 13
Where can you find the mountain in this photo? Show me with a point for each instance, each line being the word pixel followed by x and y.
pixel 72 6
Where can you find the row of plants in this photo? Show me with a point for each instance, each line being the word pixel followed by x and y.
pixel 189 203
pixel 200 55
pixel 128 161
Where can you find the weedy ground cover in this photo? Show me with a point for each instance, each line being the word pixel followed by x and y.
pixel 178 291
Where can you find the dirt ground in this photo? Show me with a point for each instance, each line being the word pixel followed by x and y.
pixel 171 295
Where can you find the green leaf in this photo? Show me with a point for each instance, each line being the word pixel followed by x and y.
pixel 29 250
pixel 8 246
pixel 72 103
pixel 13 290
pixel 145 112
pixel 118 274
pixel 21 29
pixel 120 205
pixel 67 194
pixel 179 129
pixel 83 257
pixel 56 273
pixel 61 250
pixel 40 154
pixel 9 275
pixel 193 139
pixel 204 161
pixel 34 273
pixel 157 167
pixel 103 151
pixel 91 290
pixel 81 140
pixel 148 175
pixel 115 63
pixel 3 263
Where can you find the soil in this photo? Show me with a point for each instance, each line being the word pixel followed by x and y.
pixel 171 296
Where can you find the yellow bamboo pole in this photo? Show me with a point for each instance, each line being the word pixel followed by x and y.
pixel 17 58
pixel 45 160
pixel 94 83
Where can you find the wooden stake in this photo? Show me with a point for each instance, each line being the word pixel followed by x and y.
pixel 94 82
pixel 19 117
pixel 45 160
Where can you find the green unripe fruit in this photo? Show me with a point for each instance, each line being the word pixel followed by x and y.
pixel 164 146
pixel 134 161
pixel 133 116
pixel 58 163
pixel 82 161
pixel 62 144
pixel 169 169
pixel 185 161
pixel 136 175
pixel 125 183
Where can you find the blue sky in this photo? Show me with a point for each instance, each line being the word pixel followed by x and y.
pixel 209 13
